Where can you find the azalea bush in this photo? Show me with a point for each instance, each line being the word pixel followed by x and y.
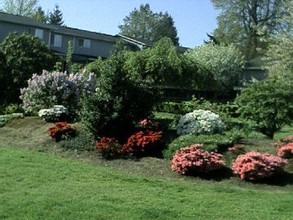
pixel 57 113
pixel 56 88
pixel 193 159
pixel 255 166
pixel 286 151
pixel 143 143
pixel 61 130
pixel 108 147
pixel 285 147
pixel 200 122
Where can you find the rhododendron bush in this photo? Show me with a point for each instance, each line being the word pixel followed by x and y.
pixel 200 122
pixel 193 159
pixel 256 166
pixel 61 130
pixel 56 88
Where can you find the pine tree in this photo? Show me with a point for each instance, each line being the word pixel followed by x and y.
pixel 56 16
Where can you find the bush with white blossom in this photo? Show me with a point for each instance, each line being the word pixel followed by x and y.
pixel 56 88
pixel 57 113
pixel 200 122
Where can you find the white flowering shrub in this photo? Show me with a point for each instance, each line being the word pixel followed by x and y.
pixel 56 88
pixel 200 122
pixel 57 113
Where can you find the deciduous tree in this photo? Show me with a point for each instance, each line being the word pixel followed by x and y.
pixel 248 23
pixel 144 24
pixel 20 7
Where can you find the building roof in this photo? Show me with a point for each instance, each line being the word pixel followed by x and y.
pixel 145 43
pixel 17 19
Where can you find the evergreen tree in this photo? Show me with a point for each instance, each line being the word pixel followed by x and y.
pixel 56 16
pixel 144 24
pixel 40 15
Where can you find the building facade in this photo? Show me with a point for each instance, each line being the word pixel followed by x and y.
pixel 87 45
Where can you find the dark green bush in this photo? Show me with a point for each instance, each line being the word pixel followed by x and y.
pixel 268 104
pixel 21 56
pixel 119 101
pixel 83 140
pixel 217 142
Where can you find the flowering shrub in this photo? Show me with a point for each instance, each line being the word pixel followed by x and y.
pixel 108 147
pixel 193 159
pixel 237 149
pixel 200 122
pixel 57 113
pixel 52 88
pixel 148 124
pixel 255 166
pixel 61 130
pixel 286 151
pixel 285 147
pixel 143 142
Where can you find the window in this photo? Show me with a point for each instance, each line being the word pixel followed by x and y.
pixel 39 33
pixel 56 40
pixel 84 43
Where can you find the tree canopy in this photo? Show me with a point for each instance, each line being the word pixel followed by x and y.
pixel 20 7
pixel 19 63
pixel 279 56
pixel 218 64
pixel 144 24
pixel 248 24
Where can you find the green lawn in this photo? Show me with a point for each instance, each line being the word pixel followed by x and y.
pixel 35 185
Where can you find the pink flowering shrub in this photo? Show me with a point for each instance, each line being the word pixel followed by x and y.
pixel 256 166
pixel 286 151
pixel 193 159
pixel 148 124
pixel 285 147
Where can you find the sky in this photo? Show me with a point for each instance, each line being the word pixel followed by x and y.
pixel 193 18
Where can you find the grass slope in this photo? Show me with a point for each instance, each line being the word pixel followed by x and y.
pixel 34 185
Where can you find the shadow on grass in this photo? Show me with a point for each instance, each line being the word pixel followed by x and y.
pixel 215 175
pixel 282 179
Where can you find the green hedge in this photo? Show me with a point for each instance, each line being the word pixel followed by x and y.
pixel 217 142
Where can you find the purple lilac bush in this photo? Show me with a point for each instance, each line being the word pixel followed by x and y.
pixel 56 88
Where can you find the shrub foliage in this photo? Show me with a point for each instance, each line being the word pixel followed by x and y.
pixel 268 103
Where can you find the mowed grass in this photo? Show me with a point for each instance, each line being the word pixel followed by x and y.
pixel 35 185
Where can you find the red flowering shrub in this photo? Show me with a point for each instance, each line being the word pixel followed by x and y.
pixel 108 147
pixel 143 142
pixel 61 130
pixel 286 151
pixel 255 166
pixel 193 159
